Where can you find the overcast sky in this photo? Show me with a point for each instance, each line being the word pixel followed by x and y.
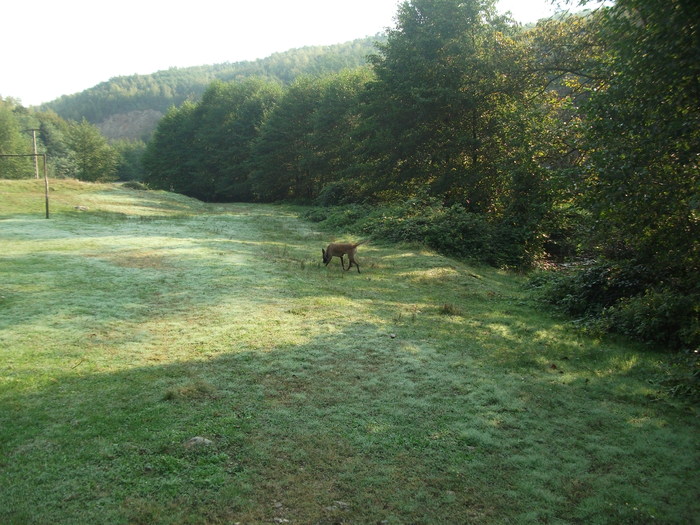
pixel 59 47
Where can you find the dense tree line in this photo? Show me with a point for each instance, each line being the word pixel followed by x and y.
pixel 579 136
pixel 74 149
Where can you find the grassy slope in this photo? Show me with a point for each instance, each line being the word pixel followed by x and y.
pixel 421 391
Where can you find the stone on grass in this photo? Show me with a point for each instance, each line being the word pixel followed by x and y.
pixel 198 441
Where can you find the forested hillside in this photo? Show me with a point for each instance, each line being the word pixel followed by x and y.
pixel 129 107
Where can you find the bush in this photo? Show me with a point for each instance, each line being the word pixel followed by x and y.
pixel 515 246
pixel 680 376
pixel 135 185
pixel 347 217
pixel 337 193
pixel 453 230
pixel 315 215
pixel 658 316
pixel 590 290
pixel 625 299
pixel 460 233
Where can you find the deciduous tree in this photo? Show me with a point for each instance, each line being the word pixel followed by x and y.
pixel 94 159
pixel 644 135
pixel 12 142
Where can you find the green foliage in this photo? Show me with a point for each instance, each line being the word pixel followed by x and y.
pixel 432 114
pixel 629 300
pixel 338 193
pixel 589 291
pixel 135 185
pixel 130 167
pixel 459 111
pixel 54 133
pixel 642 184
pixel 644 135
pixel 227 121
pixel 282 153
pixel 659 315
pixel 502 144
pixel 204 150
pixel 444 111
pixel 94 159
pixel 73 149
pixel 334 122
pixel 13 142
pixel 306 143
pixel 680 376
pixel 450 230
pixel 167 163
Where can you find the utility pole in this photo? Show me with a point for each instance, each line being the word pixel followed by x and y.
pixel 46 184
pixel 36 157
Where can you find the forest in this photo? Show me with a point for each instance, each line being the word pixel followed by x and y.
pixel 574 140
pixel 133 96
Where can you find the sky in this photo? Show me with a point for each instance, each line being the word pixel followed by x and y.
pixel 50 48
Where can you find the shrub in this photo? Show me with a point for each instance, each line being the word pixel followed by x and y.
pixel 315 215
pixel 450 230
pixel 135 185
pixel 458 232
pixel 337 193
pixel 515 247
pixel 626 299
pixel 590 290
pixel 680 376
pixel 347 217
pixel 659 316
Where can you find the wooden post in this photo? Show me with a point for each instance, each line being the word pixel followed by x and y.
pixel 46 184
pixel 36 158
pixel 36 155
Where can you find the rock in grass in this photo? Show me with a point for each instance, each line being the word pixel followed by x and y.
pixel 197 442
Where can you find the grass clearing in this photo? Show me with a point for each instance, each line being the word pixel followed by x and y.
pixel 420 391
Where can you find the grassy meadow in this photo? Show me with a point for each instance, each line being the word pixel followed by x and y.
pixel 422 390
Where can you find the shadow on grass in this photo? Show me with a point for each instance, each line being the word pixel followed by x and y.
pixel 365 429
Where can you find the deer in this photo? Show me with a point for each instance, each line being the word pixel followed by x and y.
pixel 340 249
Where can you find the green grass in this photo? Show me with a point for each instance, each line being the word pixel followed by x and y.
pixel 420 391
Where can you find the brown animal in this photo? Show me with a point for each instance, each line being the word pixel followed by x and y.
pixel 340 249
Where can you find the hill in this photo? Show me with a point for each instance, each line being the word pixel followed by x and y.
pixel 130 106
pixel 423 390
